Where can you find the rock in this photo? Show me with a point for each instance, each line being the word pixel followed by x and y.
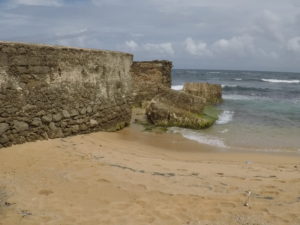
pixel 89 109
pixel 20 126
pixel 52 126
pixel 36 122
pixel 3 127
pixel 83 111
pixel 41 113
pixel 211 92
pixel 75 128
pixel 93 123
pixel 57 117
pixel 74 113
pixel 47 118
pixel 175 108
pixel 4 139
pixel 83 127
pixel 28 107
pixel 66 114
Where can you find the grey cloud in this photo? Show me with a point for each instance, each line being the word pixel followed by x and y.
pixel 232 34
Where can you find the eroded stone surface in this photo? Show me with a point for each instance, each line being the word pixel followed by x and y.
pixel 211 92
pixel 149 78
pixel 175 108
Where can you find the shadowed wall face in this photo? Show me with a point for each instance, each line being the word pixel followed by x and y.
pixel 51 92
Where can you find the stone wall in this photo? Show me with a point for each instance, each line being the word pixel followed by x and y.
pixel 211 92
pixel 149 78
pixel 51 92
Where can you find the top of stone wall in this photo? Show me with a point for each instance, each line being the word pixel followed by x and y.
pixel 58 47
pixel 154 63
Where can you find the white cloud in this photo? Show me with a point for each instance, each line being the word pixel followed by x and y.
pixel 294 44
pixel 162 48
pixel 165 48
pixel 39 2
pixel 196 47
pixel 132 45
pixel 239 45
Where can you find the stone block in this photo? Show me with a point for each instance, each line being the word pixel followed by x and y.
pixel 20 126
pixel 3 128
pixel 66 114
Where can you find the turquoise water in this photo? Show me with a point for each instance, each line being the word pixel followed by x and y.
pixel 261 110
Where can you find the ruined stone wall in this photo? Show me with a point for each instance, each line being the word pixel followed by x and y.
pixel 51 92
pixel 211 92
pixel 149 78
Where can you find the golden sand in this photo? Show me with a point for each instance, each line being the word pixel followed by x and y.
pixel 138 178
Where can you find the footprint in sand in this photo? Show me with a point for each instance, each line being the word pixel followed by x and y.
pixel 228 204
pixel 103 180
pixel 45 192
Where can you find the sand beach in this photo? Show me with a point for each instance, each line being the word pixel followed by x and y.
pixel 133 177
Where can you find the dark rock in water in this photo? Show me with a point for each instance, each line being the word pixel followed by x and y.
pixel 211 92
pixel 175 108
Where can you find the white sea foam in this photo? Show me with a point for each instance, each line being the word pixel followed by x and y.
pixel 197 136
pixel 214 72
pixel 224 131
pixel 225 117
pixel 177 87
pixel 237 97
pixel 228 85
pixel 281 81
pixel 238 79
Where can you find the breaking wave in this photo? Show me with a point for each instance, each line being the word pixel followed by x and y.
pixel 198 137
pixel 225 117
pixel 177 87
pixel 281 81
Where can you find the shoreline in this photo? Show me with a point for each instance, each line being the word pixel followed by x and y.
pixel 133 177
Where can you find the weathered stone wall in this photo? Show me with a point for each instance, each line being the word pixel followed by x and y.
pixel 211 92
pixel 149 78
pixel 50 92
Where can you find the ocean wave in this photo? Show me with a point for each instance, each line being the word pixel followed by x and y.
pixel 214 72
pixel 238 79
pixel 177 87
pixel 281 81
pixel 198 137
pixel 225 117
pixel 237 97
pixel 241 88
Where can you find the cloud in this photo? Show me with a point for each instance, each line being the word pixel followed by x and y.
pixel 196 47
pixel 162 48
pixel 294 44
pixel 239 45
pixel 239 34
pixel 38 2
pixel 165 48
pixel 132 45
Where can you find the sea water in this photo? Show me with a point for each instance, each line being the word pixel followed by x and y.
pixel 260 111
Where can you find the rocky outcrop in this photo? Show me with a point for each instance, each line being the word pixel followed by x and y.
pixel 50 92
pixel 211 92
pixel 175 108
pixel 149 79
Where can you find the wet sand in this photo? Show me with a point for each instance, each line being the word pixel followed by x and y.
pixel 136 178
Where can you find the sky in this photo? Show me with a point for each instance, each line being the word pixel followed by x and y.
pixel 194 34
